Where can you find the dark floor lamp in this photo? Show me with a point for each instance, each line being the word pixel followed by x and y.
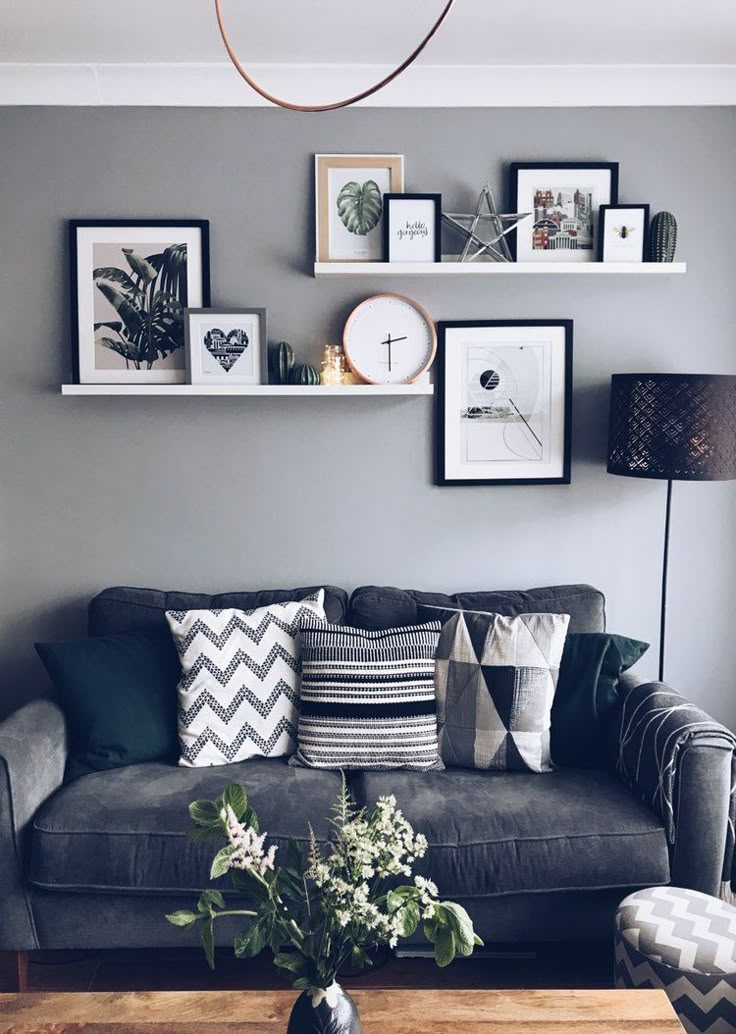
pixel 673 427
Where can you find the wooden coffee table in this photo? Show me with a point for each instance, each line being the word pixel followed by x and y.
pixel 382 1012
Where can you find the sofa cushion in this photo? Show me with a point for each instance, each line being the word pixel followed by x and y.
pixel 507 833
pixel 126 830
pixel 373 606
pixel 123 609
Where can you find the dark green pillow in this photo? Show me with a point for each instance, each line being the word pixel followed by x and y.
pixel 587 695
pixel 118 694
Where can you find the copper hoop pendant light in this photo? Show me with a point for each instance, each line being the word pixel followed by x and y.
pixel 337 104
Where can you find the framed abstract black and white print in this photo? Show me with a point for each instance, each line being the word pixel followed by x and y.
pixel 563 199
pixel 131 282
pixel 226 346
pixel 504 393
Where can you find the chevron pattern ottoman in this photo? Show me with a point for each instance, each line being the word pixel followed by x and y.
pixel 684 942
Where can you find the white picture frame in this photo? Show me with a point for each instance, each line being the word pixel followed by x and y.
pixel 131 273
pixel 226 346
pixel 345 230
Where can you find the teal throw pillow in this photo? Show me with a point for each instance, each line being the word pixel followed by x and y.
pixel 588 696
pixel 118 694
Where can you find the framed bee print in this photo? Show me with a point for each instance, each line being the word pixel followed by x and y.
pixel 504 394
pixel 563 199
pixel 349 191
pixel 622 233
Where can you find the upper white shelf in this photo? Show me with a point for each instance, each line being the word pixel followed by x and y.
pixel 449 267
pixel 291 390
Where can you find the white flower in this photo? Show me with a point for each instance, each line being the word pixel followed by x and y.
pixel 248 854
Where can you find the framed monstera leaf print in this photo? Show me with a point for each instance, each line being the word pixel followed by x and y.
pixel 349 193
pixel 131 284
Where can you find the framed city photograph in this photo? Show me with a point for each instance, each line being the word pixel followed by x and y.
pixel 349 191
pixel 412 227
pixel 226 346
pixel 504 393
pixel 131 282
pixel 622 233
pixel 564 198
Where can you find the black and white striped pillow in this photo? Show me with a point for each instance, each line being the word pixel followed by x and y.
pixel 368 698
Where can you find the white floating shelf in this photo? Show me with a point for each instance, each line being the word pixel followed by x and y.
pixel 253 390
pixel 451 267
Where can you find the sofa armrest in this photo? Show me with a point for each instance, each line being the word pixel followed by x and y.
pixel 32 758
pixel 679 760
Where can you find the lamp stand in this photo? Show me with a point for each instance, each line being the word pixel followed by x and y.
pixel 665 563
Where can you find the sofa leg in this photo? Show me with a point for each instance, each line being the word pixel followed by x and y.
pixel 14 971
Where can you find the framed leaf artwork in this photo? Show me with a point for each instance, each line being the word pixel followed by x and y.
pixel 131 282
pixel 349 191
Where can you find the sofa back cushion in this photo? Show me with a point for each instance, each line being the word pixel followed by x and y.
pixel 381 607
pixel 123 609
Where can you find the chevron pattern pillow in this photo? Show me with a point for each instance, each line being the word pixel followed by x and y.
pixel 496 679
pixel 368 698
pixel 239 685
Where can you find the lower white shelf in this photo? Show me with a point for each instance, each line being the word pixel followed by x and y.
pixel 252 390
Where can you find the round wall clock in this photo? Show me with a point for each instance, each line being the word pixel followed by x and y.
pixel 389 339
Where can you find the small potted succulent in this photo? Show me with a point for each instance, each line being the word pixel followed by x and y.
pixel 327 907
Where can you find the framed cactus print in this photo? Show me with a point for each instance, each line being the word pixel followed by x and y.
pixel 131 282
pixel 349 191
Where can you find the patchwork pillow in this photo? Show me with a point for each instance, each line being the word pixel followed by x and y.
pixel 495 678
pixel 239 686
pixel 368 698
pixel 588 696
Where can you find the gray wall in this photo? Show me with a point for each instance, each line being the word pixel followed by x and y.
pixel 226 493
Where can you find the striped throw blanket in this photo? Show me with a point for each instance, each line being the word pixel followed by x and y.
pixel 657 724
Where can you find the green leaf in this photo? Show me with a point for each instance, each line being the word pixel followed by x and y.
pixel 235 797
pixel 430 931
pixel 302 983
pixel 208 899
pixel 198 834
pixel 291 961
pixel 461 925
pixel 250 819
pixel 397 898
pixel 221 861
pixel 359 206
pixel 182 918
pixel 409 919
pixel 250 942
pixel 205 813
pixel 444 948
pixel 207 937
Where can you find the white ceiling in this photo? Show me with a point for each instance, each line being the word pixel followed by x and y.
pixel 477 32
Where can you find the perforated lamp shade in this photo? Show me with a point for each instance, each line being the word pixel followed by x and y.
pixel 675 427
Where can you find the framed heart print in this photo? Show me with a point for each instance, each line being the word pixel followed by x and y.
pixel 226 346
pixel 349 191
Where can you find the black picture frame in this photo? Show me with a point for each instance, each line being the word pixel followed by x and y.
pixel 513 186
pixel 440 400
pixel 73 227
pixel 603 209
pixel 392 199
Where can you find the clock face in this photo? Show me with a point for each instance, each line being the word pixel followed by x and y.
pixel 389 339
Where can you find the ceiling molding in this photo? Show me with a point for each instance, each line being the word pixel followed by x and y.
pixel 422 86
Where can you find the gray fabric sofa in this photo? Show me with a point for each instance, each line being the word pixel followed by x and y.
pixel 96 863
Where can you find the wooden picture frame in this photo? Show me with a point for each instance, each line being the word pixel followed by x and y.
pixel 342 235
pixel 522 435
